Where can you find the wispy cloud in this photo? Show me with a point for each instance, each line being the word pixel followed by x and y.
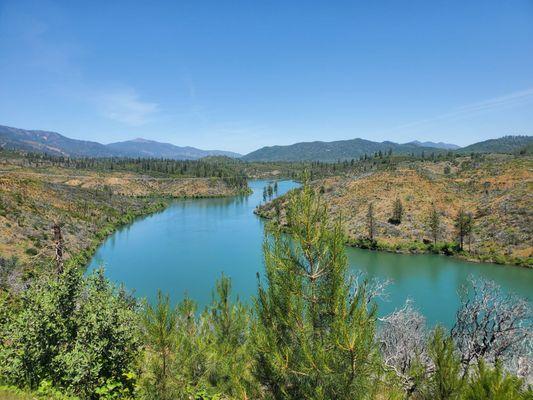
pixel 125 106
pixel 514 99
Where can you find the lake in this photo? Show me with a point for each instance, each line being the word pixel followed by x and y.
pixel 185 248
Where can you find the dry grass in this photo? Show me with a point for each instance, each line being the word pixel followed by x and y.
pixel 497 191
pixel 86 204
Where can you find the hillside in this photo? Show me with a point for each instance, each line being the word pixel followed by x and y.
pixel 333 151
pixel 89 204
pixel 56 144
pixel 506 144
pixel 496 190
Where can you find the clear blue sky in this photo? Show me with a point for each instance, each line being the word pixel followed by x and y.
pixel 238 75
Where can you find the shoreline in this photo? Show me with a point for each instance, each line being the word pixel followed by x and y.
pixel 82 258
pixel 413 248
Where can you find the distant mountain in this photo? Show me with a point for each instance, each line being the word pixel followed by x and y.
pixel 332 151
pixel 51 143
pixel 438 145
pixel 506 144
pixel 56 144
pixel 152 149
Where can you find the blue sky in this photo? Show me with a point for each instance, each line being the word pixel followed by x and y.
pixel 238 75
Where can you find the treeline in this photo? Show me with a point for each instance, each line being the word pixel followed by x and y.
pixel 312 332
pixel 215 167
pixel 364 164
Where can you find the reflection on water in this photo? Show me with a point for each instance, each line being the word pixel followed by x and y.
pixel 185 248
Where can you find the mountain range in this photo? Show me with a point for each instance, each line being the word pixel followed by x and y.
pixel 332 151
pixel 354 148
pixel 57 144
pixel 437 145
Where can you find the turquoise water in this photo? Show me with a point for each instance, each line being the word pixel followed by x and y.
pixel 185 248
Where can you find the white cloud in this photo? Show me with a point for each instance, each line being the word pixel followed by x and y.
pixel 125 106
pixel 514 99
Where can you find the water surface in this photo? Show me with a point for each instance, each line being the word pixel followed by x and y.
pixel 185 248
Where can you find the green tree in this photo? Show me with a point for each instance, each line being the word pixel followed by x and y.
pixel 159 326
pixel 370 221
pixel 463 225
pixel 434 225
pixel 229 322
pixel 397 212
pixel 314 337
pixel 446 382
pixel 494 383
pixel 76 333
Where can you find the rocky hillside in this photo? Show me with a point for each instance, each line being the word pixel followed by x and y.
pixel 497 190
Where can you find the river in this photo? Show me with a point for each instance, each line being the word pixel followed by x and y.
pixel 185 248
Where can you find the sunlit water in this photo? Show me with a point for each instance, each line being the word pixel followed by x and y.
pixel 185 248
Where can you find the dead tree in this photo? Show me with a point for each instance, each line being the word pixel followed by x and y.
pixel 402 339
pixel 58 245
pixel 491 325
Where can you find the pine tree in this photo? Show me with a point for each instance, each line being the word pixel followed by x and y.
pixel 397 212
pixel 494 383
pixel 446 382
pixel 434 224
pixel 159 324
pixel 314 337
pixel 463 225
pixel 370 221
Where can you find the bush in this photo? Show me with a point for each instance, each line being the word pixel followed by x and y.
pixel 74 332
pixel 31 251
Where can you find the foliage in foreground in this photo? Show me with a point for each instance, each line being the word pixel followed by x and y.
pixel 313 333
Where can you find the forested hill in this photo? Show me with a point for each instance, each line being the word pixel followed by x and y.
pixel 333 151
pixel 355 148
pixel 506 144
pixel 56 144
pixel 152 149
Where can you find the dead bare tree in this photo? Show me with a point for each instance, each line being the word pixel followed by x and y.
pixel 402 338
pixel 493 326
pixel 58 244
pixel 374 288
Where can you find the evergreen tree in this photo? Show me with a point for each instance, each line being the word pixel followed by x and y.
pixel 446 382
pixel 494 383
pixel 159 325
pixel 397 212
pixel 463 225
pixel 314 337
pixel 370 221
pixel 434 224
